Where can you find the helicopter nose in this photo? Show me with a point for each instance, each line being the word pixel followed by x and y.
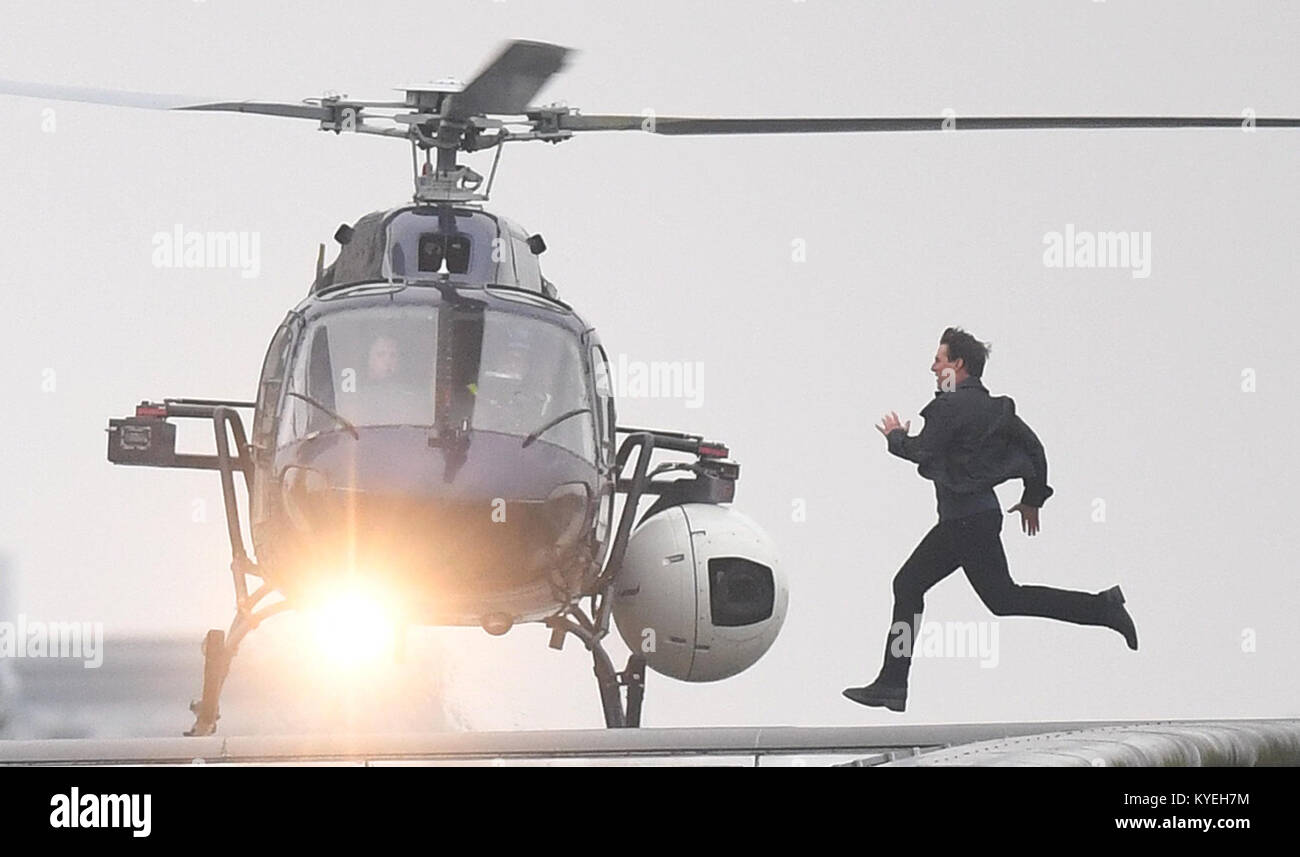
pixel 488 517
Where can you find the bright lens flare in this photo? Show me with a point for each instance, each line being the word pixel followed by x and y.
pixel 353 628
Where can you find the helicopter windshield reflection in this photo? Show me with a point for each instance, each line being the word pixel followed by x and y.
pixel 379 367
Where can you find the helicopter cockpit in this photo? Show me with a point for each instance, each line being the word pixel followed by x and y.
pixel 431 244
pixel 397 365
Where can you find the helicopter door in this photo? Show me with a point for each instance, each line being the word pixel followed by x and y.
pixel 605 444
pixel 604 404
pixel 269 389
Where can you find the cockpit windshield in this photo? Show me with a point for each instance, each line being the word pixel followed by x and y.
pixel 450 367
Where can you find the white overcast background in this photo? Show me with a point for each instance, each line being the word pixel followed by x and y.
pixel 681 249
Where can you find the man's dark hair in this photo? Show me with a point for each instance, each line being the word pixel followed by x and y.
pixel 970 350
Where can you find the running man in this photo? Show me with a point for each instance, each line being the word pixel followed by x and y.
pixel 971 442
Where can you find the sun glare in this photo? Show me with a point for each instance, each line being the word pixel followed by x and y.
pixel 353 627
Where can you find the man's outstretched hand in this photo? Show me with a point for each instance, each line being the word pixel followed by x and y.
pixel 1028 517
pixel 890 422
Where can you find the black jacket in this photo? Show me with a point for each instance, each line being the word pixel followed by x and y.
pixel 972 441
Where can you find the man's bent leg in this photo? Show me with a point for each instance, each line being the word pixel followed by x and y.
pixel 931 561
pixel 985 563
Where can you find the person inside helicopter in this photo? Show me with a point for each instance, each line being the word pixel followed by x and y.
pixel 391 390
pixel 506 399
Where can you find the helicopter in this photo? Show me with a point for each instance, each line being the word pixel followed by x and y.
pixel 435 429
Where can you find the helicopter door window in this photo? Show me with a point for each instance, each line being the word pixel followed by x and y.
pixel 293 421
pixel 604 402
pixel 311 377
pixel 320 383
pixel 268 388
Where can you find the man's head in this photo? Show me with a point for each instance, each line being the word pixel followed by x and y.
pixel 384 358
pixel 960 356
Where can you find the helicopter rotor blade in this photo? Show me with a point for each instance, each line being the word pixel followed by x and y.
pixel 683 126
pixel 161 101
pixel 510 81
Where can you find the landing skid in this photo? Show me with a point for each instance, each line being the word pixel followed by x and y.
pixel 619 714
pixel 219 649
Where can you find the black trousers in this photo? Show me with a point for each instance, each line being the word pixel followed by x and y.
pixel 973 542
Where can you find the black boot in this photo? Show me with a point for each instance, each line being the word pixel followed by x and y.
pixel 1120 619
pixel 893 697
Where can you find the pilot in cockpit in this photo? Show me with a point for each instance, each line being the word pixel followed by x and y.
pixel 388 392
pixel 507 398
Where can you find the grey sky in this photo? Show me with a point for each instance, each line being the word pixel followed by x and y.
pixel 681 249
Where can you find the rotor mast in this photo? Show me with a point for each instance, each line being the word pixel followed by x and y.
pixel 441 177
